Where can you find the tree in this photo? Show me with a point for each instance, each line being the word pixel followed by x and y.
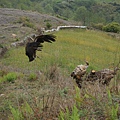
pixel 49 9
pixel 81 14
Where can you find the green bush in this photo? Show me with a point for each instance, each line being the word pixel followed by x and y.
pixel 112 27
pixel 10 77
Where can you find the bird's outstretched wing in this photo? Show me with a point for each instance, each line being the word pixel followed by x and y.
pixel 31 47
pixel 45 38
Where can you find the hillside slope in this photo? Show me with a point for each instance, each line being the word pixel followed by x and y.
pixel 9 16
pixel 12 20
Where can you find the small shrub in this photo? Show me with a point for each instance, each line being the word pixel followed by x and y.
pixel 10 77
pixel 112 27
pixel 32 77
pixel 98 26
pixel 17 39
pixel 28 24
pixel 3 50
pixel 23 19
pixel 48 25
pixel 61 17
pixel 1 46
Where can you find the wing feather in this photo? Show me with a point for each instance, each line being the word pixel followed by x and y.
pixel 45 38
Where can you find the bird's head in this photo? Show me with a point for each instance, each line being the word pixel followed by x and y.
pixel 93 72
pixel 87 63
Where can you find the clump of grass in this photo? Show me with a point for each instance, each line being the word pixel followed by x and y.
pixel 23 19
pixel 16 114
pixel 1 79
pixel 2 73
pixel 32 77
pixel 73 115
pixel 111 107
pixel 63 92
pixel 52 72
pixel 28 24
pixel 10 77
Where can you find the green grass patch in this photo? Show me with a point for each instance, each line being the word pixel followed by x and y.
pixel 71 48
pixel 10 77
pixel 32 77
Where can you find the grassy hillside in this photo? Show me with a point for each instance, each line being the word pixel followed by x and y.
pixel 71 48
pixel 43 88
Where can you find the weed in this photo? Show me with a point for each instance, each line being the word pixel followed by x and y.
pixel 52 72
pixel 63 92
pixel 70 115
pixel 16 114
pixel 32 77
pixel 34 109
pixel 23 19
pixel 111 108
pixel 2 73
pixel 1 79
pixel 48 25
pixel 10 77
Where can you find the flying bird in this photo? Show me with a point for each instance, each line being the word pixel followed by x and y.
pixel 32 46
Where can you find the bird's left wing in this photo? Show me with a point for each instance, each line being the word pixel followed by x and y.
pixel 45 38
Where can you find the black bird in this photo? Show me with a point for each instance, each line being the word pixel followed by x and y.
pixel 31 47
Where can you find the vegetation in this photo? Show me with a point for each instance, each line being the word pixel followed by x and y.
pixel 112 27
pixel 48 25
pixel 32 77
pixel 85 11
pixel 10 77
pixel 64 52
pixel 109 109
pixel 25 21
pixel 45 89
